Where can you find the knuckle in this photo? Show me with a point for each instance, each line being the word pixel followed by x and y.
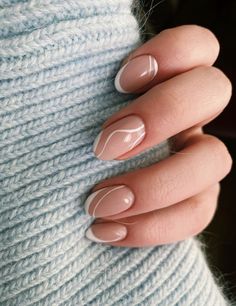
pixel 208 37
pixel 221 153
pixel 217 86
pixel 203 210
pixel 207 217
pixel 157 231
pixel 166 186
pixel 215 190
pixel 198 34
pixel 218 76
pixel 223 82
pixel 203 31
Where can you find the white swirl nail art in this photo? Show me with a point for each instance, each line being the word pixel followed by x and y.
pixel 119 138
pixel 135 74
pixel 109 201
pixel 153 67
pixel 129 131
pixel 90 235
pixel 92 196
pixel 106 232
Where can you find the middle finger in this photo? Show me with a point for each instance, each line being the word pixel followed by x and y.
pixel 165 110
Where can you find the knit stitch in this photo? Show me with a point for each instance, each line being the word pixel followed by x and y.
pixel 58 60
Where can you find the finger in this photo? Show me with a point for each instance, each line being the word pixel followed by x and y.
pixel 171 52
pixel 178 142
pixel 165 110
pixel 178 222
pixel 202 163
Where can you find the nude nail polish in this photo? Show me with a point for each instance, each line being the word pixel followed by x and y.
pixel 109 201
pixel 135 74
pixel 106 232
pixel 119 138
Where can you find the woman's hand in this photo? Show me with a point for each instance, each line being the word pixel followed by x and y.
pixel 177 197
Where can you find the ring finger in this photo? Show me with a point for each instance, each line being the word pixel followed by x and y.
pixel 203 162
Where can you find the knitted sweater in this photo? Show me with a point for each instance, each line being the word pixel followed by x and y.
pixel 58 59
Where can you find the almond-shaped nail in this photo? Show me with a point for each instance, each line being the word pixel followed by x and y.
pixel 109 201
pixel 137 73
pixel 119 138
pixel 106 232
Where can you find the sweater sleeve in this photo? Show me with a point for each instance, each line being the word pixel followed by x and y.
pixel 58 60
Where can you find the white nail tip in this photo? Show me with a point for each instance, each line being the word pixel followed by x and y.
pixel 153 69
pixel 130 131
pixel 155 66
pixel 117 80
pixel 96 141
pixel 89 234
pixel 104 196
pixel 89 201
pixel 93 195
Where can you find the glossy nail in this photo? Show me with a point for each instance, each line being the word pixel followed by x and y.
pixel 119 138
pixel 135 74
pixel 106 232
pixel 109 201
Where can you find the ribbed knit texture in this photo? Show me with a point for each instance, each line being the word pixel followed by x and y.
pixel 58 59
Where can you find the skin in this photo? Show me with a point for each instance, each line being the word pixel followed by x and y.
pixel 177 197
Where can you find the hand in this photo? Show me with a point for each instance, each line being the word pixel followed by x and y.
pixel 177 197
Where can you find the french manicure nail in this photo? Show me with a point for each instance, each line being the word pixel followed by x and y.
pixel 109 201
pixel 135 74
pixel 119 138
pixel 106 232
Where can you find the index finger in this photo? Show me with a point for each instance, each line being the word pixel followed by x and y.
pixel 168 54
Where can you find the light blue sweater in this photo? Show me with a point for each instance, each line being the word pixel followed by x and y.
pixel 58 59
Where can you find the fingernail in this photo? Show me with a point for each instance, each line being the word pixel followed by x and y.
pixel 135 74
pixel 119 138
pixel 106 232
pixel 109 201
